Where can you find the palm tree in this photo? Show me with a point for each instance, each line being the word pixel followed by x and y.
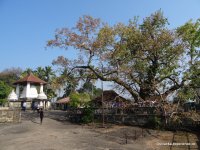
pixel 40 73
pixel 26 72
pixel 49 73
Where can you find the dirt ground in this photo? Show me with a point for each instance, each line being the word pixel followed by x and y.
pixel 56 133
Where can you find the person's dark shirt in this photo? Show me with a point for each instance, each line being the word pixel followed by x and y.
pixel 41 114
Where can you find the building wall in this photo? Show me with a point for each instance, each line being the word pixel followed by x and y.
pixel 15 104
pixel 10 116
pixel 18 104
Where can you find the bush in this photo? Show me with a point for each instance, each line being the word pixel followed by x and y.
pixel 88 113
pixel 154 122
pixel 4 92
pixel 3 102
pixel 79 99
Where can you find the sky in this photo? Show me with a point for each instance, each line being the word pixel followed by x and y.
pixel 27 25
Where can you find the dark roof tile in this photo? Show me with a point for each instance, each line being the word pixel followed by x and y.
pixel 30 78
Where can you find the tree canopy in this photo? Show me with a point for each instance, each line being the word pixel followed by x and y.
pixel 146 59
pixel 4 92
pixel 10 75
pixel 79 99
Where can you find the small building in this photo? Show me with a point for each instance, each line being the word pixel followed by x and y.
pixel 63 103
pixel 111 100
pixel 29 93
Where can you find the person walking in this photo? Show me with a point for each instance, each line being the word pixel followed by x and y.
pixel 24 106
pixel 41 115
pixel 38 108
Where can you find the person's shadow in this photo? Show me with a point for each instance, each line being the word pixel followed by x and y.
pixel 34 121
pixel 34 118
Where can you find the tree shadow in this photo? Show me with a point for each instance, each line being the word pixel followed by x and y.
pixel 148 132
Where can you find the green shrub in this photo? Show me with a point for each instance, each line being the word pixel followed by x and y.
pixel 3 102
pixel 154 122
pixel 4 92
pixel 79 99
pixel 87 115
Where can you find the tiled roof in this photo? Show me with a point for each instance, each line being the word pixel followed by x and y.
pixel 110 95
pixel 63 100
pixel 30 78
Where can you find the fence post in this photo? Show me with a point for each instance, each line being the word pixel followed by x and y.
pixel 135 135
pixel 126 137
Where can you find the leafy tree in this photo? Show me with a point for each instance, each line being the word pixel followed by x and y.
pixel 68 89
pixel 88 114
pixel 79 99
pixel 74 99
pixel 48 73
pixel 87 87
pixel 51 93
pixel 185 94
pixel 67 80
pixel 26 72
pixel 190 34
pixel 40 73
pixel 45 73
pixel 70 82
pixel 4 92
pixel 91 89
pixel 145 59
pixel 84 98
pixel 10 75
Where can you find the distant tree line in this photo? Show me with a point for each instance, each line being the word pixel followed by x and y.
pixel 57 80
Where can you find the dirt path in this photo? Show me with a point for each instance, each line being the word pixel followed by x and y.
pixel 57 134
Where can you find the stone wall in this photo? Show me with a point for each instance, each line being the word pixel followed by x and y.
pixel 15 104
pixel 18 104
pixel 10 115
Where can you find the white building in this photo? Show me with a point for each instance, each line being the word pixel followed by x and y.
pixel 29 90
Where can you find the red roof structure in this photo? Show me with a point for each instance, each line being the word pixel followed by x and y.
pixel 63 100
pixel 31 79
pixel 110 95
pixel 111 99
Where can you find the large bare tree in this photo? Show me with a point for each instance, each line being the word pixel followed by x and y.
pixel 146 59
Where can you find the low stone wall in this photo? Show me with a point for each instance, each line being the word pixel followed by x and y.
pixel 17 104
pixel 10 115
